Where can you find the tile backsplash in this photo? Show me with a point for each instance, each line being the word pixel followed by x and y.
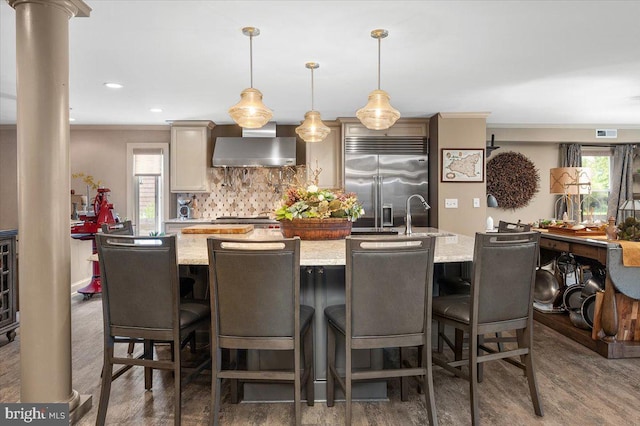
pixel 251 191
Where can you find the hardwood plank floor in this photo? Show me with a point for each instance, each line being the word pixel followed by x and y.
pixel 577 386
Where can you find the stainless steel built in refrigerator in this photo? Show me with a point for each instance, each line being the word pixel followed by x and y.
pixel 384 171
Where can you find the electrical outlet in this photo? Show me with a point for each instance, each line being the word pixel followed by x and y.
pixel 476 202
pixel 450 203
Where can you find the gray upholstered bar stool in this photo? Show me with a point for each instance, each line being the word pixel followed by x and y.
pixel 126 228
pixel 255 305
pixel 501 299
pixel 388 305
pixel 140 300
pixel 449 285
pixel 121 228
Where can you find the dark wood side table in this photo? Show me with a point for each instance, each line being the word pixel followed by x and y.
pixel 608 346
pixel 8 278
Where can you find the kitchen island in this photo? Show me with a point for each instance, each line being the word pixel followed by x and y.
pixel 625 280
pixel 321 284
pixel 192 248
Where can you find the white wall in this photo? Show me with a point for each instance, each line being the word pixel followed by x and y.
pixel 102 153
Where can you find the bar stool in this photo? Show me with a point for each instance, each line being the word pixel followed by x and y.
pixel 140 301
pixel 255 305
pixel 501 299
pixel 388 304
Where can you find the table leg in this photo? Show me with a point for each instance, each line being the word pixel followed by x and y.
pixel 609 312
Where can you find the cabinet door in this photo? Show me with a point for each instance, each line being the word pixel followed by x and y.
pixel 398 129
pixel 327 155
pixel 189 159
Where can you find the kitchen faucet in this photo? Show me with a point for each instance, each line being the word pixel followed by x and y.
pixel 407 221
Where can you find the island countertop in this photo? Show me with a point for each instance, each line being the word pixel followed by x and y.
pixel 450 247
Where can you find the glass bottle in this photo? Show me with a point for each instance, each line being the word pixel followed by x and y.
pixel 195 214
pixel 612 230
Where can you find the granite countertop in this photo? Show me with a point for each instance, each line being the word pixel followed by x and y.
pixel 198 220
pixel 192 249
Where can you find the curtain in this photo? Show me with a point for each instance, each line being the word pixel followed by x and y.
pixel 621 188
pixel 570 156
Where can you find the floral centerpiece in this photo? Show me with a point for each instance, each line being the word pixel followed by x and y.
pixel 313 202
pixel 313 213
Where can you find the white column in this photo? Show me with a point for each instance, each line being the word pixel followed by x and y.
pixel 42 38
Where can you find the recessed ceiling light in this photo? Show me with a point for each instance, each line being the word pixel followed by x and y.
pixel 113 85
pixel 155 109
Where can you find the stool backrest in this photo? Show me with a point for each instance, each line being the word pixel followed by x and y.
pixel 139 282
pixel 388 285
pixel 503 275
pixel 119 228
pixel 513 227
pixel 255 286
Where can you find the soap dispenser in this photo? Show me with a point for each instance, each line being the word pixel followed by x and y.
pixel 489 223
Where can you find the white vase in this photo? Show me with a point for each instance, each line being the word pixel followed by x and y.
pixel 489 223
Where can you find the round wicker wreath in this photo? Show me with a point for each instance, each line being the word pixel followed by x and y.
pixel 513 179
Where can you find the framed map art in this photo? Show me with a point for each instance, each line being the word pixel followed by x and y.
pixel 462 165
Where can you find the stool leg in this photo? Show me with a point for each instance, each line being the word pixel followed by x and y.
pixel 233 364
pixel 308 365
pixel 148 371
pixel 331 365
pixel 459 341
pixel 404 380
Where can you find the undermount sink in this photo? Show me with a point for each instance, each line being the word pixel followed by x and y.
pixel 374 231
pixel 431 234
pixel 397 231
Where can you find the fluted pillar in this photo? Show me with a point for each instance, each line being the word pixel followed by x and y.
pixel 42 38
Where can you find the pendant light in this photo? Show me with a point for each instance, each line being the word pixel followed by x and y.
pixel 378 114
pixel 250 112
pixel 312 129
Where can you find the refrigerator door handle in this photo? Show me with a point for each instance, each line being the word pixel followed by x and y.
pixel 375 201
pixel 380 202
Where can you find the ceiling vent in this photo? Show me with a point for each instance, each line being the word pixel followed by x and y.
pixel 606 133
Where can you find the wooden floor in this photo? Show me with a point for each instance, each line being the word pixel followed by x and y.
pixel 577 387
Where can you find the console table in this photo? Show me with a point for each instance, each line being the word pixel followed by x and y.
pixel 8 276
pixel 619 277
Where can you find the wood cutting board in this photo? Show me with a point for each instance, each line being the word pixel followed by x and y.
pixel 586 232
pixel 217 229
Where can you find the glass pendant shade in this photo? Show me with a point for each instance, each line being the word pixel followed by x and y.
pixel 378 114
pixel 312 129
pixel 250 112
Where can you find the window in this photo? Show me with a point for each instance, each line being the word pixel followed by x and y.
pixel 147 186
pixel 594 205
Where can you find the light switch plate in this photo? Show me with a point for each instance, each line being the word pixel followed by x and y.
pixel 476 202
pixel 450 203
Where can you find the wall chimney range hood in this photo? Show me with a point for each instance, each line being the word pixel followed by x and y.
pixel 256 148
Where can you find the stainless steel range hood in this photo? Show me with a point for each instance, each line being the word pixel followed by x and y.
pixel 256 148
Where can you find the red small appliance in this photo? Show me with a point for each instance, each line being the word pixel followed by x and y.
pixel 91 222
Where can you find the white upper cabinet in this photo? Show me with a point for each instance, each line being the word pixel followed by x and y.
pixel 191 150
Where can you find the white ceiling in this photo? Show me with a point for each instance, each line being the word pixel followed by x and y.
pixel 524 62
